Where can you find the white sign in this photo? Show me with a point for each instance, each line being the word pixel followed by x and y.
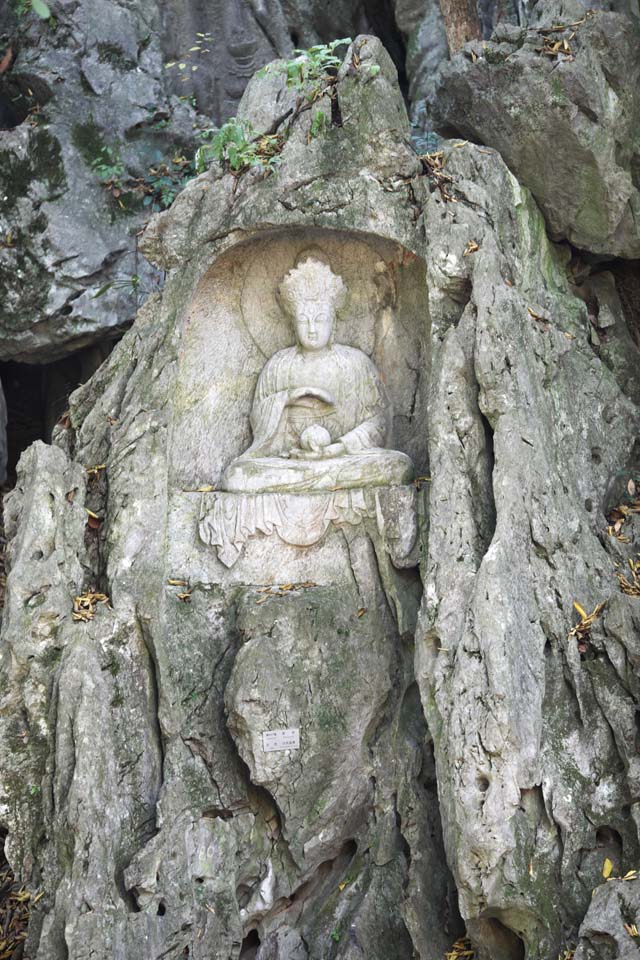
pixel 281 740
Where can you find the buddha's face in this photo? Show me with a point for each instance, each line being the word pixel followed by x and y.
pixel 313 323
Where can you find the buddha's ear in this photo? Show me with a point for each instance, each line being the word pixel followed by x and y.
pixel 284 299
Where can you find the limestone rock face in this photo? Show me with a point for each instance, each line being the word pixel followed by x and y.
pixel 441 736
pixel 96 132
pixel 608 925
pixel 97 84
pixel 564 119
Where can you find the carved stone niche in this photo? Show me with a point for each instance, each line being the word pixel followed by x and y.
pixel 319 586
pixel 239 331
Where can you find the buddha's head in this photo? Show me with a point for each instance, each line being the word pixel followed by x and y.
pixel 311 294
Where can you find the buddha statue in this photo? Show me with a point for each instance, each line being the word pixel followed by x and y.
pixel 320 417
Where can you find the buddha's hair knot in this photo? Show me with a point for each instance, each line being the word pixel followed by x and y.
pixel 311 280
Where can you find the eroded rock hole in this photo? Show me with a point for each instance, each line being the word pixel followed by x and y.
pixel 501 941
pixel 37 394
pixel 606 946
pixel 162 909
pixel 250 946
pixel 609 846
pixel 21 96
pixel 483 482
pixel 482 783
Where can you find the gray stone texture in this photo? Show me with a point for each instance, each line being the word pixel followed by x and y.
pixel 471 734
pixel 607 929
pixel 566 124
pixel 97 78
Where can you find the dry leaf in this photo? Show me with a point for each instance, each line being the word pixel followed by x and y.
pixel 272 590
pixel 631 488
pixel 419 481
pixel 582 630
pixel 461 949
pixel 631 587
pixel 471 247
pixel 537 316
pixel 607 867
pixel 93 472
pixel 84 605
pixel 362 611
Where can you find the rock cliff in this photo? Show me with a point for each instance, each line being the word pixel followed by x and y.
pixel 460 663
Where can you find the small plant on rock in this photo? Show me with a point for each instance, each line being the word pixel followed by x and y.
pixel 108 166
pixel 165 180
pixel 236 146
pixel 311 67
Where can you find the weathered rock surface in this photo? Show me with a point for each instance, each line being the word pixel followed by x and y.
pixel 136 795
pixel 99 84
pixel 96 80
pixel 208 844
pixel 607 929
pixel 564 118
pixel 533 736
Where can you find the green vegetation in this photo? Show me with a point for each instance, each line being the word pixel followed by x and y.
pixel 120 283
pixel 164 181
pixel 236 146
pixel 310 68
pixel 39 7
pixel 108 166
pixel 156 190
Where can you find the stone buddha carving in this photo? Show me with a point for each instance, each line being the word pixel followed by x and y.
pixel 321 417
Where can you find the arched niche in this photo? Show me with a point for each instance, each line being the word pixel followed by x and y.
pixel 234 323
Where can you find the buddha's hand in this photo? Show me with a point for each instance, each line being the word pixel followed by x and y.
pixel 307 396
pixel 332 450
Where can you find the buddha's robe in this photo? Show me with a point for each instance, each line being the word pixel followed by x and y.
pixel 360 418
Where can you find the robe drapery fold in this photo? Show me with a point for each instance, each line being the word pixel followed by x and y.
pixel 228 520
